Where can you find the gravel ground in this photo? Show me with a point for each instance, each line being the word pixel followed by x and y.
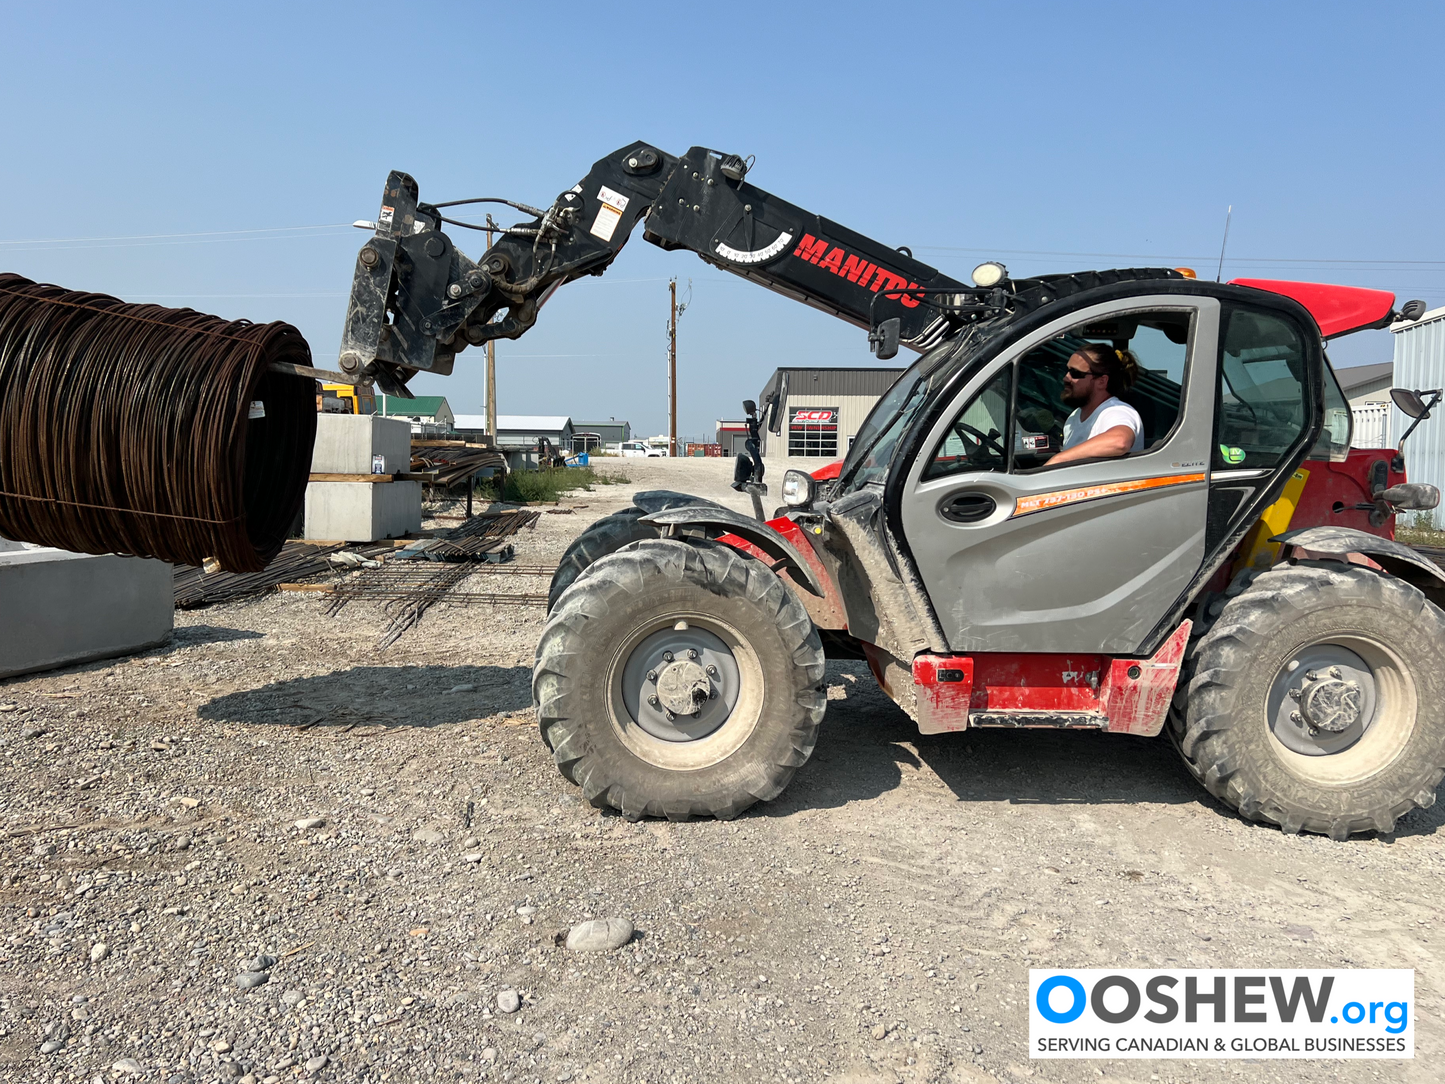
pixel 389 828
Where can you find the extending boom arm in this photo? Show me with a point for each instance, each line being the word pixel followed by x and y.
pixel 416 299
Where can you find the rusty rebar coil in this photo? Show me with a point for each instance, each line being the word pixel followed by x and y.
pixel 143 430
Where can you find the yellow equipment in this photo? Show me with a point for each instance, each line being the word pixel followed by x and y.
pixel 345 399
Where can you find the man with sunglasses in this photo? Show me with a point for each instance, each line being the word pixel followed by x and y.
pixel 1102 425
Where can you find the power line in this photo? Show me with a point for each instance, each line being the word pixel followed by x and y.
pixel 169 236
pixel 1276 260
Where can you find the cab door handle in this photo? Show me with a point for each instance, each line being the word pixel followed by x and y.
pixel 968 508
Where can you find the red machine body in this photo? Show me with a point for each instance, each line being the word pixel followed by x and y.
pixel 1120 695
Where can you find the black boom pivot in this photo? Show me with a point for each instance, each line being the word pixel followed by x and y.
pixel 416 299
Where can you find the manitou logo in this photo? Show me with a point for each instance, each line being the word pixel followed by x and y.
pixel 854 268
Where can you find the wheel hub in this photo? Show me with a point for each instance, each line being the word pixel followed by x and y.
pixel 680 683
pixel 1331 704
pixel 1323 700
pixel 683 686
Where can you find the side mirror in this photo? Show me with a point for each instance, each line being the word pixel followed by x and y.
pixel 1412 310
pixel 883 340
pixel 1412 405
pixel 1409 402
pixel 749 407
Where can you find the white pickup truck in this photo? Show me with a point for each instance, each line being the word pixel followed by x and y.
pixel 638 449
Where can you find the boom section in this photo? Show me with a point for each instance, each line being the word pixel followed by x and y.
pixel 417 299
pixel 707 206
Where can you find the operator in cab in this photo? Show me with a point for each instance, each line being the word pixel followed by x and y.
pixel 1102 425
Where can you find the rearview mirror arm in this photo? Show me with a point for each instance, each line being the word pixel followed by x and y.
pixel 1431 405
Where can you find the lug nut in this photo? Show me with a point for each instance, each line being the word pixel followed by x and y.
pixel 1336 673
pixel 1296 718
pixel 692 653
pixel 652 700
pixel 711 670
pixel 1294 694
pixel 1311 675
pixel 652 676
pixel 671 718
pixel 667 656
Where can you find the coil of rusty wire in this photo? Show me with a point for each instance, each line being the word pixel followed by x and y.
pixel 149 431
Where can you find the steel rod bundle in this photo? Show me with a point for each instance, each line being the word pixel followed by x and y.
pixel 143 430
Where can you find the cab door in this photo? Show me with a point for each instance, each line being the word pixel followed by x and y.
pixel 1086 557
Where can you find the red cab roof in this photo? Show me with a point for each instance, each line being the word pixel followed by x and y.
pixel 1338 310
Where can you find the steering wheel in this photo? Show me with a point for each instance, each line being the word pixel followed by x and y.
pixel 985 440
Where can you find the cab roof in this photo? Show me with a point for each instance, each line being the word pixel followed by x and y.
pixel 1338 310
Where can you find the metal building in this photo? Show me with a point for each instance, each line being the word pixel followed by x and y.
pixel 1367 387
pixel 590 436
pixel 732 436
pixel 816 412
pixel 1420 365
pixel 429 414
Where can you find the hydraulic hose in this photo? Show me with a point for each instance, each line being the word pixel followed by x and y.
pixel 148 431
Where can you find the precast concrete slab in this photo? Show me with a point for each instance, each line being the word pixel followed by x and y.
pixel 59 608
pixel 362 511
pixel 347 443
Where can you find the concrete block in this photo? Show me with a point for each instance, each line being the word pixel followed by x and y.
pixel 59 608
pixel 362 511
pixel 345 444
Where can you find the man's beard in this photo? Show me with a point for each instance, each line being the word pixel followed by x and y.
pixel 1072 398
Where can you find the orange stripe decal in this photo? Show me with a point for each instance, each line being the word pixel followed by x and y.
pixel 1040 502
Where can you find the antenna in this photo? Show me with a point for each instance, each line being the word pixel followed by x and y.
pixel 1218 275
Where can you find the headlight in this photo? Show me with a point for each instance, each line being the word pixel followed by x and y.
pixel 797 489
pixel 989 274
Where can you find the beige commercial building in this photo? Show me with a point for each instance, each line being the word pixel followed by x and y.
pixel 816 412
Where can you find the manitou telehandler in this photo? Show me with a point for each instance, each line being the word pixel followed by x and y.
pixel 1235 583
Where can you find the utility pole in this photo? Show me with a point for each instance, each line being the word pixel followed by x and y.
pixel 672 370
pixel 491 376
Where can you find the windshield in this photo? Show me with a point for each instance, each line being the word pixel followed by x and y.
pixel 890 418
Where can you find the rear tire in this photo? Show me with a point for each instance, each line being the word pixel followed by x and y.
pixel 748 736
pixel 608 535
pixel 1340 635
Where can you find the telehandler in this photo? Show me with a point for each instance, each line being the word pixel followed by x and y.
pixel 1235 584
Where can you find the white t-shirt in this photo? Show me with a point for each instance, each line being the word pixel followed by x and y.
pixel 1111 412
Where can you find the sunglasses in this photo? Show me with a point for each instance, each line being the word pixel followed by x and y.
pixel 1078 374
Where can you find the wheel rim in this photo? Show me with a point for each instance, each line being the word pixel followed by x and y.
pixel 674 662
pixel 1340 710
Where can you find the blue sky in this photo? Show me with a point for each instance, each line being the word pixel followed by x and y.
pixel 1052 136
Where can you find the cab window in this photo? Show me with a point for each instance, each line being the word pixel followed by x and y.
pixel 1033 420
pixel 977 439
pixel 1263 393
pixel 1339 430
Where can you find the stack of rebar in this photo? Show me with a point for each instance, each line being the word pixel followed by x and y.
pixel 296 563
pixel 408 592
pixel 455 465
pixel 149 431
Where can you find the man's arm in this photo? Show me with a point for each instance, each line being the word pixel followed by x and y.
pixel 1111 442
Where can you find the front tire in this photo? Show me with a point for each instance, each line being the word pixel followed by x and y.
pixel 1318 701
pixel 612 688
